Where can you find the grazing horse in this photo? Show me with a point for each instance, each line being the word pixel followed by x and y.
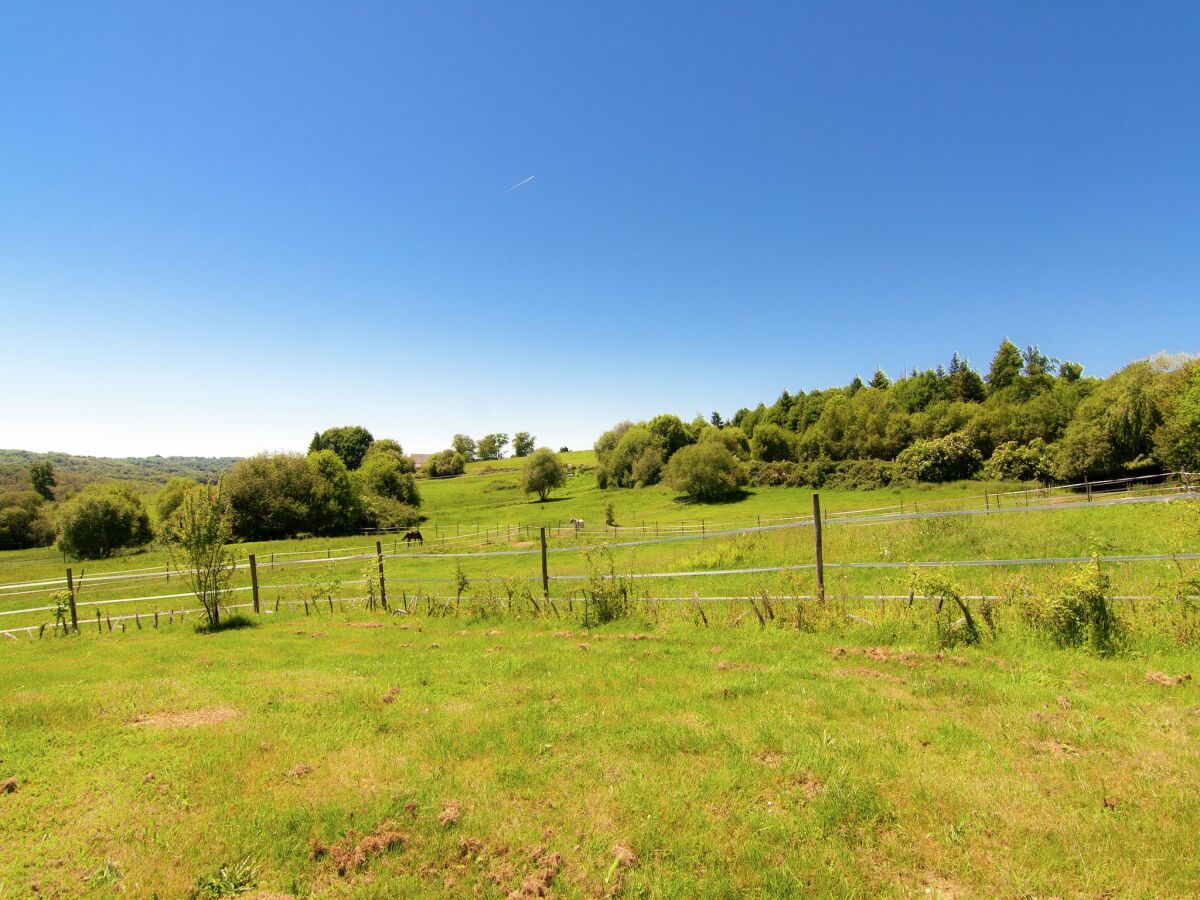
pixel 578 523
pixel 413 535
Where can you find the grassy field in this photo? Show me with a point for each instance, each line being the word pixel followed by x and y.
pixel 465 756
pixel 489 744
pixel 510 562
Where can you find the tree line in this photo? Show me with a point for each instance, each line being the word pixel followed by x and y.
pixel 1031 417
pixel 348 480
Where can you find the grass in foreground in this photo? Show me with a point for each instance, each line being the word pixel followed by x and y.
pixel 364 757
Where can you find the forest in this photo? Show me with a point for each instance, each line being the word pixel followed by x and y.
pixel 1030 417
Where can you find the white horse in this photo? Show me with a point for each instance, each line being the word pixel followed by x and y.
pixel 578 523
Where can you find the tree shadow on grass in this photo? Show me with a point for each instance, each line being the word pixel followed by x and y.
pixel 229 623
pixel 736 497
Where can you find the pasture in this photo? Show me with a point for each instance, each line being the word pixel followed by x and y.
pixel 728 734
pixel 360 755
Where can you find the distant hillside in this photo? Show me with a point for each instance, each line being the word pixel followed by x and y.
pixel 72 472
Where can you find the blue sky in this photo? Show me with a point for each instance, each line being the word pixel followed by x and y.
pixel 226 225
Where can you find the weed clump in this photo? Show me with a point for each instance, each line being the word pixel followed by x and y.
pixel 608 596
pixel 949 628
pixel 229 880
pixel 1079 613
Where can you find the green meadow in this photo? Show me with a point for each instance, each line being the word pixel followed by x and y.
pixel 728 735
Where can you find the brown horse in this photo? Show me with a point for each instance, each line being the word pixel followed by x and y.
pixel 413 535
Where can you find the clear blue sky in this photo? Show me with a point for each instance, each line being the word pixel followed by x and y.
pixel 226 225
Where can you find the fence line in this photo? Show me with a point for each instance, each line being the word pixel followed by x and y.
pixel 695 573
pixel 851 518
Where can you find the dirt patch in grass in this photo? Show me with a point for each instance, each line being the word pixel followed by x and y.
pixel 537 882
pixel 193 718
pixel 864 672
pixel 772 759
pixel 299 770
pixel 450 814
pixel 8 786
pixel 352 853
pixel 364 624
pixel 624 855
pixel 391 695
pixel 1167 680
pixel 1061 749
pixel 807 785
pixel 901 657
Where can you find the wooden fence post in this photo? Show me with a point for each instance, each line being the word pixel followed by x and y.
pixel 71 597
pixel 254 580
pixel 545 571
pixel 382 587
pixel 820 553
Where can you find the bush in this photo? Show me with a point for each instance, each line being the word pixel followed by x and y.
pixel 608 596
pixel 950 458
pixel 196 535
pixel 705 472
pixel 647 470
pixel 1079 614
pixel 337 504
pixel 1012 462
pixel 101 519
pixel 270 496
pixel 856 474
pixel 444 464
pixel 384 512
pixel 619 462
pixel 171 496
pixel 23 521
pixel 542 473
pixel 953 623
pixel 770 443
pixel 384 475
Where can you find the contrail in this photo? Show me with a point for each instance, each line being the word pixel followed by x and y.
pixel 519 183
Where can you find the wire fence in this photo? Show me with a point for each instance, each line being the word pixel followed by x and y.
pixel 106 588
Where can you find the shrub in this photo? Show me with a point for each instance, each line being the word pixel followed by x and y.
pixel 1012 462
pixel 446 463
pixel 384 512
pixel 732 437
pixel 633 443
pixel 384 475
pixel 705 472
pixel 23 521
pixel 609 597
pixel 270 496
pixel 337 505
pixel 101 519
pixel 542 473
pixel 950 628
pixel 171 496
pixel 948 458
pixel 771 443
pixel 1079 614
pixel 856 474
pixel 648 468
pixel 196 536
pixel 389 449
